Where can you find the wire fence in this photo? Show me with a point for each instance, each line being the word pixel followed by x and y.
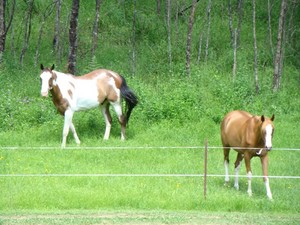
pixel 50 148
pixel 130 148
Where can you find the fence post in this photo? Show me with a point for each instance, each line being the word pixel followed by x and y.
pixel 205 170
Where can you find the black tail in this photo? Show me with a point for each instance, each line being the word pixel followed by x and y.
pixel 130 98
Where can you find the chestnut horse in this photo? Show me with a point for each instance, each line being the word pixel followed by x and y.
pixel 250 136
pixel 98 88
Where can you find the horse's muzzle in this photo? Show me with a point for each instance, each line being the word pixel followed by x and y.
pixel 268 148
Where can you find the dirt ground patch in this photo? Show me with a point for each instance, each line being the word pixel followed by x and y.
pixel 145 218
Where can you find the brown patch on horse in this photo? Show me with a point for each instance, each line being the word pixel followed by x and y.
pixel 105 90
pixel 97 73
pixel 60 103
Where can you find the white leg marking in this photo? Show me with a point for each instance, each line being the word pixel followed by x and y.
pixel 249 183
pixel 118 109
pixel 107 123
pixel 67 123
pixel 226 172
pixel 72 127
pixel 236 178
pixel 269 194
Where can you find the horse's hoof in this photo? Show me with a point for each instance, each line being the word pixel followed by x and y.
pixel 226 184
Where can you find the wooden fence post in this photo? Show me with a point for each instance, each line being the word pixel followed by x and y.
pixel 205 171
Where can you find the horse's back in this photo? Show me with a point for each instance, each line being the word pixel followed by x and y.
pixel 103 75
pixel 232 127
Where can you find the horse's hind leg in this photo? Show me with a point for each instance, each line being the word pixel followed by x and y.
pixel 226 150
pixel 237 166
pixel 107 118
pixel 72 127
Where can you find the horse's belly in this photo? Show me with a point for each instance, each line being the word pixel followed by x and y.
pixel 86 103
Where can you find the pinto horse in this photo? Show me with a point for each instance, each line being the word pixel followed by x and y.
pixel 250 136
pixel 98 88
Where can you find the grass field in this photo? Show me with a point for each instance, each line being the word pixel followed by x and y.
pixel 93 184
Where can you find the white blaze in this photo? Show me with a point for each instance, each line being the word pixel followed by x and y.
pixel 45 77
pixel 268 138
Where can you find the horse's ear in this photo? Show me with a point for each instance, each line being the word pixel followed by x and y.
pixel 262 118
pixel 52 67
pixel 42 67
pixel 273 117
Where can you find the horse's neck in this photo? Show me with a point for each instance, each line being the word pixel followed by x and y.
pixel 254 130
pixel 61 91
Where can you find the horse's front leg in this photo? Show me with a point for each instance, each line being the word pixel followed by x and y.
pixel 264 164
pixel 249 172
pixel 67 123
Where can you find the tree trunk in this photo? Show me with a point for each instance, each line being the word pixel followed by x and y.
pixel 255 47
pixel 230 23
pixel 158 7
pixel 208 29
pixel 133 38
pixel 2 28
pixel 27 30
pixel 189 39
pixel 57 31
pixel 234 54
pixel 73 37
pixel 200 48
pixel 96 28
pixel 240 12
pixel 270 27
pixel 278 56
pixel 168 5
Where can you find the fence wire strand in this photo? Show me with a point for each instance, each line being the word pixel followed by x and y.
pixel 134 148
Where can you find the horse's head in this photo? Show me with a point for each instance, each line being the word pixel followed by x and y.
pixel 267 130
pixel 48 78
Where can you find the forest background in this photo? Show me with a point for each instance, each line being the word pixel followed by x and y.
pixel 235 54
pixel 189 62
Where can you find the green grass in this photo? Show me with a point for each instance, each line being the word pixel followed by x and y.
pixel 79 192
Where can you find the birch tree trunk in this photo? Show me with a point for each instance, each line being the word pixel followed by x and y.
pixel 240 19
pixel 255 46
pixel 234 54
pixel 230 23
pixel 158 7
pixel 189 39
pixel 208 29
pixel 270 27
pixel 278 56
pixel 96 28
pixel 73 37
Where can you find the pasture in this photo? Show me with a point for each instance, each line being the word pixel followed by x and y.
pixel 153 177
pixel 143 180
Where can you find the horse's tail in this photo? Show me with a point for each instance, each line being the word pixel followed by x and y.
pixel 130 98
